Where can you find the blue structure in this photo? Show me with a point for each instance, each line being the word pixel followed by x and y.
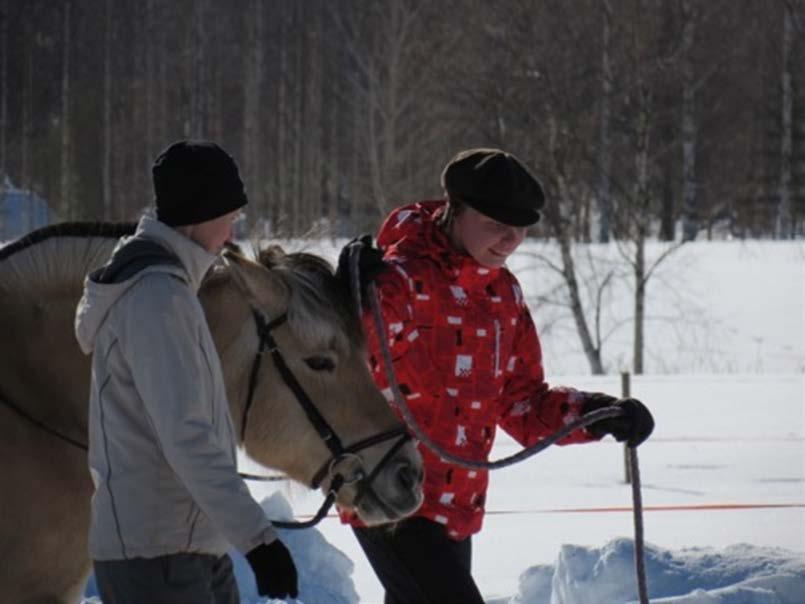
pixel 21 211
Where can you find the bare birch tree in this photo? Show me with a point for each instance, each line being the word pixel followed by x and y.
pixel 391 48
pixel 646 64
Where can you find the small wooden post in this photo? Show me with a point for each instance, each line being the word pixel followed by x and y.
pixel 626 392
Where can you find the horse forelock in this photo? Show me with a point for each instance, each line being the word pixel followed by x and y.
pixel 60 254
pixel 320 311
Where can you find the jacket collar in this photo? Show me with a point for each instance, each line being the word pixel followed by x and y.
pixel 412 231
pixel 195 260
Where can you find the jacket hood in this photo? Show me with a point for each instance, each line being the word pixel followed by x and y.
pixel 99 298
pixel 413 231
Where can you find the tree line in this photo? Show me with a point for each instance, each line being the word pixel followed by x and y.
pixel 670 119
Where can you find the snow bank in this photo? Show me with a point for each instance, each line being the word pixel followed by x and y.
pixel 739 574
pixel 325 573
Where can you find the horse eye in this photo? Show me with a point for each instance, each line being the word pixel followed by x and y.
pixel 320 363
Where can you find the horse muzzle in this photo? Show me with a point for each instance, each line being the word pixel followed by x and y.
pixel 395 492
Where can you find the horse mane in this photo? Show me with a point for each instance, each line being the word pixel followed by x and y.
pixel 319 302
pixel 62 254
pixel 58 254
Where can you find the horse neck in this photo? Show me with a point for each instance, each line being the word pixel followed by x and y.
pixel 40 286
pixel 234 333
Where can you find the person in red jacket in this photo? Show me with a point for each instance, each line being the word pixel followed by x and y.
pixel 467 358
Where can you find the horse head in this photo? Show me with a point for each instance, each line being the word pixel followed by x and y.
pixel 301 394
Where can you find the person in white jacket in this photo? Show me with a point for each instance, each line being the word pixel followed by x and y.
pixel 168 501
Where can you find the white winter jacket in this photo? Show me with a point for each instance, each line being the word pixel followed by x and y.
pixel 161 441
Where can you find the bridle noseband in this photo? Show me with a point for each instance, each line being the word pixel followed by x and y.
pixel 340 453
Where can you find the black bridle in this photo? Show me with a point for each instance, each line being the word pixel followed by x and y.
pixel 340 453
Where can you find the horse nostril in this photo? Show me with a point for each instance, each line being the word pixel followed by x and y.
pixel 407 477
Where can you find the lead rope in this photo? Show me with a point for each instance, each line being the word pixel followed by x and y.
pixel 637 512
pixel 585 420
pixel 413 425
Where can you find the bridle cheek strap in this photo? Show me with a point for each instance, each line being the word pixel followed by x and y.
pixel 267 343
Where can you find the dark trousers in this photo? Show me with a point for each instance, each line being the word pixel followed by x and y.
pixel 174 579
pixel 417 563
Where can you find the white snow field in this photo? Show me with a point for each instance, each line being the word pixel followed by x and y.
pixel 723 475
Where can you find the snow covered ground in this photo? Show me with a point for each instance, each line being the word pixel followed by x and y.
pixel 723 487
pixel 723 476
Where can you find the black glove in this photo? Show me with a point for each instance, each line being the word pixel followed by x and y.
pixel 274 570
pixel 370 263
pixel 634 426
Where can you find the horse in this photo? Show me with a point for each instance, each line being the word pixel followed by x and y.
pixel 293 299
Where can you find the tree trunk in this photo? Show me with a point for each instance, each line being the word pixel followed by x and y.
pixel 26 176
pixel 690 224
pixel 66 151
pixel 300 86
pixel 562 232
pixel 391 97
pixel 315 126
pixel 374 135
pixel 253 105
pixel 591 351
pixel 667 205
pixel 784 223
pixel 3 86
pixel 107 115
pixel 148 24
pixel 639 304
pixel 605 147
pixel 283 163
pixel 198 103
pixel 358 112
pixel 160 32
pixel 641 220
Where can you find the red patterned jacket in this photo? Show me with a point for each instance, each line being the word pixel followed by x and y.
pixel 467 357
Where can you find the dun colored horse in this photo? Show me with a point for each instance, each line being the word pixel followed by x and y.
pixel 44 389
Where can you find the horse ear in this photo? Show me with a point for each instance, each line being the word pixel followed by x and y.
pixel 258 283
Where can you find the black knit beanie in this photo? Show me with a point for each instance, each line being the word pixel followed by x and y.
pixel 496 184
pixel 195 181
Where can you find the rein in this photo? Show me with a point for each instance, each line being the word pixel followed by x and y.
pixel 82 446
pixel 44 427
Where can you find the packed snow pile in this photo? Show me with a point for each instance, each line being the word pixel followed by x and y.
pixel 325 573
pixel 739 574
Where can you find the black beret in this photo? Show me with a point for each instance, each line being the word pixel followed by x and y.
pixel 496 184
